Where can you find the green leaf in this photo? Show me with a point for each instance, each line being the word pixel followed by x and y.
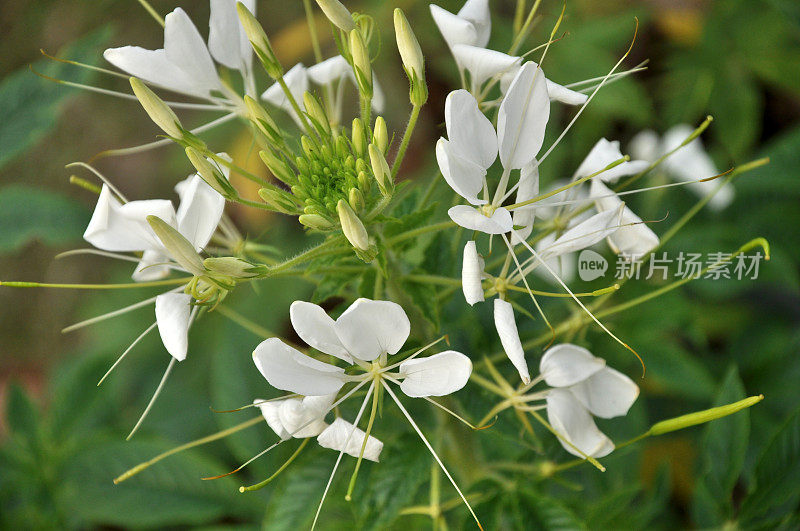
pixel 294 503
pixel 21 413
pixel 550 513
pixel 777 476
pixel 31 104
pixel 722 456
pixel 28 213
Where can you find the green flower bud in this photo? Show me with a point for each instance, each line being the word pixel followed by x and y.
pixel 178 247
pixel 231 266
pixel 359 138
pixel 342 147
pixel 380 136
pixel 158 111
pixel 263 120
pixel 210 174
pixel 361 63
pixel 315 221
pixel 364 182
pixel 701 417
pixel 356 199
pixel 279 200
pixel 408 46
pixel 352 226
pixel 337 14
pixel 259 41
pixel 278 167
pixel 317 113
pixel 380 169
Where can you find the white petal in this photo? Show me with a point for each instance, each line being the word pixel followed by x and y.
pixel 483 64
pixel 340 432
pixel 437 375
pixel 154 67
pixel 199 212
pixel 454 29
pixel 470 133
pixel 464 177
pixel 186 49
pixel 564 95
pixel 270 411
pixel 118 227
pixel 172 315
pixel 297 81
pixel 607 393
pixel 151 267
pixel 569 418
pixel 523 117
pixel 477 12
pixel 472 219
pixel 290 370
pixel 604 153
pixel 227 40
pixel 645 146
pixel 471 274
pixel 567 364
pixel 319 405
pixel 528 189
pixel 564 265
pixel 586 233
pixel 635 238
pixel 317 329
pixel 378 96
pixel 329 71
pixel 509 337
pixel 299 421
pixel 369 328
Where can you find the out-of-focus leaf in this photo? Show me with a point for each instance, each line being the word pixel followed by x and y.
pixel 550 514
pixel 21 414
pixel 777 475
pixel 295 500
pixel 723 450
pixel 31 104
pixel 28 213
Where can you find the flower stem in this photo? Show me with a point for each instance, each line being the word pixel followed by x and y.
pixel 420 231
pixel 401 152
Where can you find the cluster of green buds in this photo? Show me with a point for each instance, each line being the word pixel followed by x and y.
pixel 338 180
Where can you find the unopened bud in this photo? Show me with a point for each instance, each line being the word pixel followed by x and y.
pixel 408 46
pixel 178 247
pixel 380 169
pixel 262 119
pixel 364 181
pixel 230 266
pixel 309 148
pixel 315 221
pixel 279 200
pixel 337 14
pixel 210 173
pixel 361 64
pixel 701 417
pixel 356 199
pixel 316 112
pixel 380 135
pixel 352 227
pixel 278 167
pixel 259 41
pixel 359 138
pixel 158 111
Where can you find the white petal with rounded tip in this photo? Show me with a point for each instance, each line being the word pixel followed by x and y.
pixel 470 133
pixel 471 274
pixel 172 316
pixel 567 364
pixel 227 40
pixel 564 95
pixel 437 375
pixel 151 267
pixel 569 418
pixel 317 329
pixel 299 421
pixel 118 227
pixel 464 177
pixel 528 189
pixel 369 328
pixel 471 218
pixel 509 337
pixel 454 29
pixel 477 12
pixel 604 153
pixel 186 49
pixel 337 434
pixel 270 411
pixel 586 233
pixel 482 63
pixel 290 370
pixel 153 67
pixel 199 212
pixel 523 117
pixel 607 393
pixel 634 238
pixel 329 71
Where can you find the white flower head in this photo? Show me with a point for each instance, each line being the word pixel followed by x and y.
pixel 633 238
pixel 472 24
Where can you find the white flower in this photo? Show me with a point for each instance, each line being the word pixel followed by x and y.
pixel 689 163
pixel 471 25
pixel 555 91
pixel 366 331
pixel 604 153
pixel 634 238
pixel 584 386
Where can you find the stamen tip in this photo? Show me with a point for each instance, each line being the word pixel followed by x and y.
pixel 242 489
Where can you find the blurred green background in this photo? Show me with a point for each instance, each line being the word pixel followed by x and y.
pixel 62 438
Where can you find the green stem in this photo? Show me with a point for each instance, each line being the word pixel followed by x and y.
pixel 244 322
pixel 295 106
pixel 281 469
pixel 401 152
pixel 420 231
pixel 321 249
pixel 169 282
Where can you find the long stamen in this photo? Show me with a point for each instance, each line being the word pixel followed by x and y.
pixel 114 313
pixel 370 422
pixel 153 399
pixel 341 453
pixel 99 176
pixel 235 470
pixel 414 355
pixel 122 356
pixel 132 285
pixel 97 252
pixel 432 451
pixel 283 467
